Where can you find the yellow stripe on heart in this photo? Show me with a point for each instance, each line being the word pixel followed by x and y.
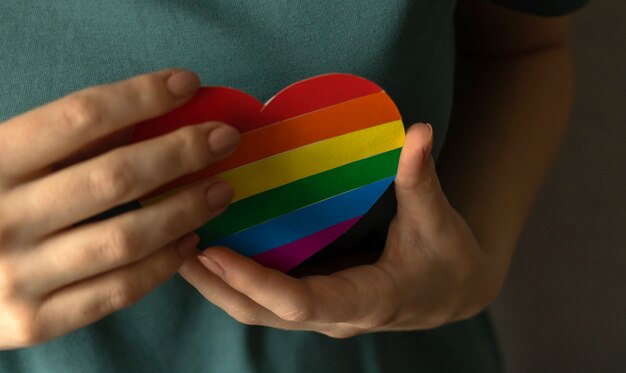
pixel 306 161
pixel 312 159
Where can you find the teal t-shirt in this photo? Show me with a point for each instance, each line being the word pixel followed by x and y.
pixel 50 48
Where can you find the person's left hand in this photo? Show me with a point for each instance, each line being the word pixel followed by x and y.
pixel 432 270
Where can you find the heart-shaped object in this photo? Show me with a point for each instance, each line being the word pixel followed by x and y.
pixel 311 162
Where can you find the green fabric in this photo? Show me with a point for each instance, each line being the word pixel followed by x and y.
pixel 50 48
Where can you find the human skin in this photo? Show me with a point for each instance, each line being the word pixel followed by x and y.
pixel 449 246
pixel 61 164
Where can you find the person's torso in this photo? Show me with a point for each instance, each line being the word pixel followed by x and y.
pixel 51 48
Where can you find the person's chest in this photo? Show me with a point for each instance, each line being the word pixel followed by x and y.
pixel 407 47
pixel 49 49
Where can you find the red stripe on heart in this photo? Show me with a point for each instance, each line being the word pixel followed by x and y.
pixel 330 89
pixel 246 113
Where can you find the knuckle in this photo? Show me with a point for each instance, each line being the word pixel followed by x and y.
pixel 189 144
pixel 19 321
pixel 164 268
pixel 121 295
pixel 296 312
pixel 148 86
pixel 80 112
pixel 157 269
pixel 176 222
pixel 112 183
pixel 188 203
pixel 191 211
pixel 148 93
pixel 195 206
pixel 118 246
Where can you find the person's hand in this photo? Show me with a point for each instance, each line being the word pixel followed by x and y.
pixel 431 272
pixel 57 275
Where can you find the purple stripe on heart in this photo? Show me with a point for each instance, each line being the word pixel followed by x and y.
pixel 287 257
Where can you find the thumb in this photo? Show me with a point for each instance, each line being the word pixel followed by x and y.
pixel 420 198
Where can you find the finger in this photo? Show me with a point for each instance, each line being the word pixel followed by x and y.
pixel 420 198
pixel 85 302
pixel 351 296
pixel 248 312
pixel 100 247
pixel 94 149
pixel 48 134
pixel 245 310
pixel 234 303
pixel 122 175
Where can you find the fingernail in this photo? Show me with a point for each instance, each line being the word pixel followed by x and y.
pixel 223 140
pixel 219 195
pixel 211 265
pixel 183 84
pixel 188 245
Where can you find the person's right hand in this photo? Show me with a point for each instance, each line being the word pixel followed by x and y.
pixel 57 276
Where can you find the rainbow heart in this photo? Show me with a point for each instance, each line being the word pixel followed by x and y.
pixel 310 164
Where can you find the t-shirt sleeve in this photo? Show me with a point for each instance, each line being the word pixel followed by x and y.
pixel 544 7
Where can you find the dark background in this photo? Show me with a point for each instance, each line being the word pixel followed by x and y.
pixel 563 307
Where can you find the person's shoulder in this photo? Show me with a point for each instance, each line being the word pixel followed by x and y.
pixel 544 7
